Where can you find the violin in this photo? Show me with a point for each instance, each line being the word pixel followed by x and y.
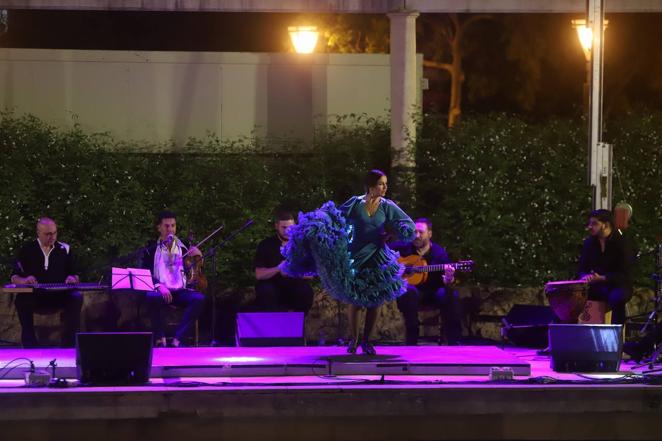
pixel 194 266
pixel 195 276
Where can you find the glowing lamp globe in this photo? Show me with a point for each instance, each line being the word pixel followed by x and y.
pixel 585 35
pixel 304 38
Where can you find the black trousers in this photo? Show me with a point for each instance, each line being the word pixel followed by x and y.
pixel 615 296
pixel 192 301
pixel 279 293
pixel 70 302
pixel 448 302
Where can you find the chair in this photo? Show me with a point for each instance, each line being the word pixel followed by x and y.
pixel 430 318
pixel 172 322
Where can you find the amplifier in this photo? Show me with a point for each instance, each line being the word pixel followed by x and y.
pixel 585 348
pixel 270 329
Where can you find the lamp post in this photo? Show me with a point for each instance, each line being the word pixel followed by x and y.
pixel 304 38
pixel 599 153
pixel 585 36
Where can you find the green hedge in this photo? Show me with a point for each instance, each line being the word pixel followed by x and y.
pixel 105 194
pixel 508 193
pixel 513 195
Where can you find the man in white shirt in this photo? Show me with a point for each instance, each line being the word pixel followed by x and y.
pixel 165 260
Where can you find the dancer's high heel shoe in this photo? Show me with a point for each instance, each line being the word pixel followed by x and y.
pixel 351 347
pixel 367 348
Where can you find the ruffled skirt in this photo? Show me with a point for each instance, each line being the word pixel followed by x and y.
pixel 319 245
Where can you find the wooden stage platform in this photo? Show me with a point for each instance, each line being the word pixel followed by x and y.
pixel 321 393
pixel 296 361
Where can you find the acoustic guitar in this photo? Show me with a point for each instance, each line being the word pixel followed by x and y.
pixel 417 269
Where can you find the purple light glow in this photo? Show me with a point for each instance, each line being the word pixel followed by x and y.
pixel 237 359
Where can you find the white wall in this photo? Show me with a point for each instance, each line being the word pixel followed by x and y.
pixel 158 96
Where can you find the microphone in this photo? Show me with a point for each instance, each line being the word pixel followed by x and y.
pixel 168 241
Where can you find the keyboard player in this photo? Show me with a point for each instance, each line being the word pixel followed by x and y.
pixel 47 260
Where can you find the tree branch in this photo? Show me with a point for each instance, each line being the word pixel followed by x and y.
pixel 436 65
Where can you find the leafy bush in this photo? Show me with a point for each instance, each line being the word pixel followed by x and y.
pixel 105 194
pixel 513 195
pixel 507 193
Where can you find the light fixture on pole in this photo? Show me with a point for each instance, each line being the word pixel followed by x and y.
pixel 304 38
pixel 585 35
pixel 599 155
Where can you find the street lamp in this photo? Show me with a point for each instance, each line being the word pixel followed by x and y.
pixel 585 35
pixel 304 38
pixel 599 154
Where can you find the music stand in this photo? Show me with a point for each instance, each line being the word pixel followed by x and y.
pixel 134 279
pixel 137 279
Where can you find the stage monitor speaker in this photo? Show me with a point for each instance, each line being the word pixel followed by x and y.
pixel 585 348
pixel 113 358
pixel 526 325
pixel 270 329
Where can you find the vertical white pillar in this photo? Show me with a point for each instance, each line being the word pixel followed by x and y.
pixel 404 107
pixel 599 158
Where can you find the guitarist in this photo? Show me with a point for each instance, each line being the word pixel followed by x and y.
pixel 435 290
pixel 46 260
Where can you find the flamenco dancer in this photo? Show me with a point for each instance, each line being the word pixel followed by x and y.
pixel 346 247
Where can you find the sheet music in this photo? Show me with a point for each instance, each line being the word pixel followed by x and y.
pixel 137 279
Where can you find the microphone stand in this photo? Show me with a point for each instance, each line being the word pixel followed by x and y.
pixel 657 276
pixel 211 252
pixel 653 317
pixel 131 258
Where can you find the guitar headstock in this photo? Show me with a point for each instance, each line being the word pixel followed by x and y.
pixel 464 266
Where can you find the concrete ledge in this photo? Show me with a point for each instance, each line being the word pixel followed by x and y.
pixel 335 413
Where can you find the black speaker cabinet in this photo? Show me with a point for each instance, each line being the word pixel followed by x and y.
pixel 585 348
pixel 113 358
pixel 270 329
pixel 526 325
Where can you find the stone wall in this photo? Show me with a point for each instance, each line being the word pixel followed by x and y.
pixel 326 323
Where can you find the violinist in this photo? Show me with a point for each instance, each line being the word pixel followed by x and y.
pixel 165 259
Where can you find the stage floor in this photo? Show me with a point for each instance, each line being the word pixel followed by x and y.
pixel 323 394
pixel 296 361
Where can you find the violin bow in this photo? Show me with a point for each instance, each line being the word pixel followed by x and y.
pixel 205 239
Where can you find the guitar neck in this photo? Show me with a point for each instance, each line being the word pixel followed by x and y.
pixel 434 268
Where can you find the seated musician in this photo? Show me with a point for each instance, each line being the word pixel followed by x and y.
pixel 274 291
pixel 164 259
pixel 606 264
pixel 435 290
pixel 46 260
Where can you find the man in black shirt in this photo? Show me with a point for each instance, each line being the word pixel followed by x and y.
pixel 274 291
pixel 435 290
pixel 606 264
pixel 46 260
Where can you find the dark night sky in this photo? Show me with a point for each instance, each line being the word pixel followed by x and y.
pixel 495 74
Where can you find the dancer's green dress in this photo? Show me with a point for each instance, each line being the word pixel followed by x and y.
pixel 345 247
